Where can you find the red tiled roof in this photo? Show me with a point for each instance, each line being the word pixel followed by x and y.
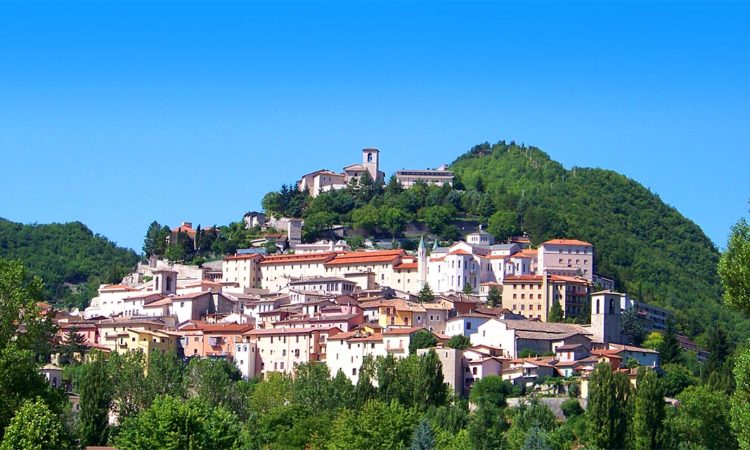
pixel 567 242
pixel 118 287
pixel 459 252
pixel 298 259
pixel 353 258
pixel 399 331
pixel 407 266
pixel 279 331
pixel 240 257
pixel 523 278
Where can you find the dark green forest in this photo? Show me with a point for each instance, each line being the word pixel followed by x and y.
pixel 70 258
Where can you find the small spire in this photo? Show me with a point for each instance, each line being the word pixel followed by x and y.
pixel 435 244
pixel 421 243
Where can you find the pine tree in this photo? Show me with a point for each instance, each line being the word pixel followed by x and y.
pixel 425 295
pixel 468 289
pixel 494 298
pixel 555 313
pixel 430 384
pixel 151 241
pixel 718 348
pixel 607 411
pixel 424 437
pixel 649 412
pixel 670 350
pixel 73 344
pixel 536 439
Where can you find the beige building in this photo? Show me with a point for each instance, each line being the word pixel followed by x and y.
pixel 324 180
pixel 437 177
pixel 278 271
pixel 532 296
pixel 283 349
pixel 244 270
pixel 569 257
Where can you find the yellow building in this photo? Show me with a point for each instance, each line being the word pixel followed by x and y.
pixel 145 341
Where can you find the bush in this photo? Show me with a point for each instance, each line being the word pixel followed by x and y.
pixel 571 408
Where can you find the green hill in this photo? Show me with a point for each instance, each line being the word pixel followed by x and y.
pixel 652 250
pixel 71 260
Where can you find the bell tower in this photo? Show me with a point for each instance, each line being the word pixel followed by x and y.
pixel 371 162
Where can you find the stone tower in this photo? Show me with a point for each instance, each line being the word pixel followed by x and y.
pixel 165 281
pixel 371 162
pixel 606 317
pixel 422 263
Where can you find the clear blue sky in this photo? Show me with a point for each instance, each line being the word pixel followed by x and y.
pixel 120 114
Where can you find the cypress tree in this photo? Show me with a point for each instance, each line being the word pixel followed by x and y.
pixel 649 413
pixel 607 411
pixel 95 390
pixel 670 350
pixel 555 313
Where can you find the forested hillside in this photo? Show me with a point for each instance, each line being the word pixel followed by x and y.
pixel 653 251
pixel 71 260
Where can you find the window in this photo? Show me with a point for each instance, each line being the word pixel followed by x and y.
pixel 468 325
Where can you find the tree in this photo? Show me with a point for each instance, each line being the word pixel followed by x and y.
pixel 165 375
pixel 632 327
pixel 129 395
pixel 719 349
pixel 176 252
pixel 317 224
pixel 525 417
pixel 94 387
pixel 649 412
pixel 571 408
pixel 35 427
pixel 676 378
pixel 734 267
pixel 422 339
pixel 19 294
pixel 607 411
pixel 20 381
pixel 670 350
pixel 430 388
pixel 366 218
pixel 555 313
pixel 424 437
pixel 467 288
pixel 74 343
pixel 151 242
pixel 494 297
pixel 702 420
pixel 393 220
pixel 377 425
pixel 459 342
pixel 536 439
pixel 173 424
pixel 490 391
pixel 503 224
pixel 653 340
pixel 740 410
pixel 213 380
pixel 425 294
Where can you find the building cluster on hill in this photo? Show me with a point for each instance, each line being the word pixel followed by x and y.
pixel 271 313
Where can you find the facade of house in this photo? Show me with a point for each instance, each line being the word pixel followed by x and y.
pixel 435 177
pixel 244 270
pixel 569 257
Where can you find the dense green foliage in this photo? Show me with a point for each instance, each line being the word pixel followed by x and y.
pixel 734 267
pixel 35 427
pixel 71 259
pixel 653 252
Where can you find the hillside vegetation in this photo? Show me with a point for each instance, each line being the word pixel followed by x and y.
pixel 652 250
pixel 71 260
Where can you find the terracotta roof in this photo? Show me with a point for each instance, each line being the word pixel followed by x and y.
pixel 219 327
pixel 399 331
pixel 240 257
pixel 354 258
pixel 567 242
pixel 631 348
pixel 118 287
pixel 523 278
pixel 292 331
pixel 298 259
pixel 191 295
pixel 407 266
pixel 162 302
pixel 459 252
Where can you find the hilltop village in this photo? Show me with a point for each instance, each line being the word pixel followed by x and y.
pixel 522 313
